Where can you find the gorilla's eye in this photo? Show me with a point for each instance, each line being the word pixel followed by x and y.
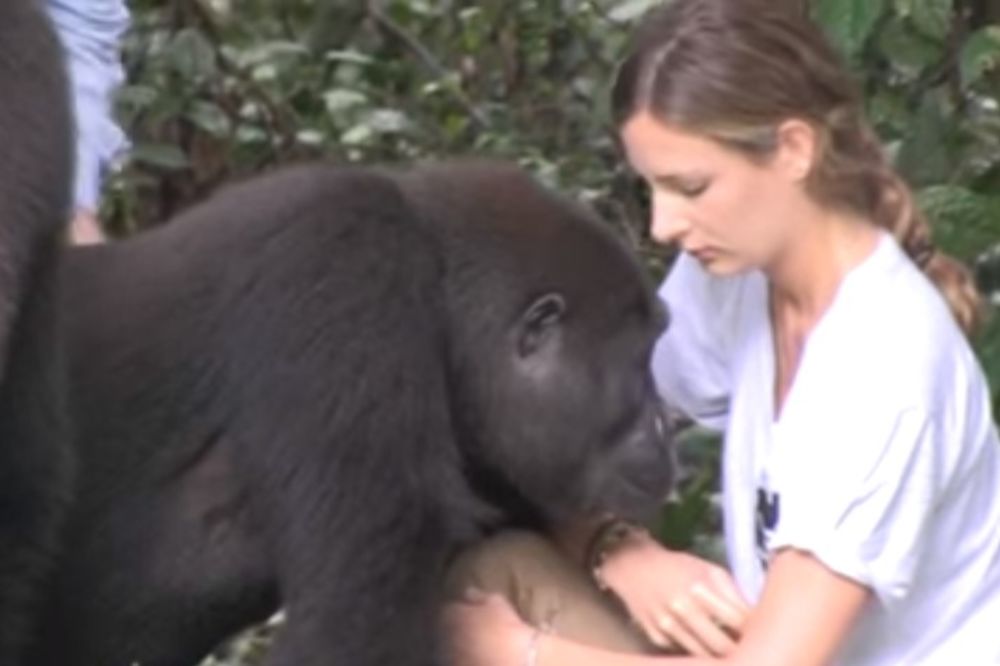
pixel 539 321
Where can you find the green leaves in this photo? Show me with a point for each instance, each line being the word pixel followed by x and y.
pixel 988 350
pixel 375 123
pixel 160 155
pixel 692 515
pixel 932 18
pixel 931 150
pixel 981 54
pixel 966 223
pixel 849 22
pixel 192 55
pixel 910 52
pixel 209 118
pixel 630 10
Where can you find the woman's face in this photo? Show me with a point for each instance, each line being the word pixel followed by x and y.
pixel 730 213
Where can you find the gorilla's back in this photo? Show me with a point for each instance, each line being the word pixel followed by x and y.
pixel 178 309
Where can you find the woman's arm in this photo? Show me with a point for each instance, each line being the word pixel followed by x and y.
pixel 804 616
pixel 658 586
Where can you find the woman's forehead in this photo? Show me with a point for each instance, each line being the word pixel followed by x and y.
pixel 655 148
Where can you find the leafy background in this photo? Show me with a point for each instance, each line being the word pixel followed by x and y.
pixel 222 89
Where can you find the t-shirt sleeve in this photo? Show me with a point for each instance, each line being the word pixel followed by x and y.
pixel 859 493
pixel 691 361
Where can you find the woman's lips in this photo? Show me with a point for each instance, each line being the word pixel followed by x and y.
pixel 703 254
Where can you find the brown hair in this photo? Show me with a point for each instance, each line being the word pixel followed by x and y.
pixel 733 70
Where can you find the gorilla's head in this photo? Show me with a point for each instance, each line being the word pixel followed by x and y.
pixel 552 325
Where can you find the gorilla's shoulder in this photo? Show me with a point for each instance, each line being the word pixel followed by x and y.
pixel 288 192
pixel 479 194
pixel 474 172
pixel 475 178
pixel 298 199
pixel 316 179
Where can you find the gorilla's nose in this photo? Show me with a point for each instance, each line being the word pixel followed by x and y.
pixel 657 437
pixel 649 465
pixel 662 427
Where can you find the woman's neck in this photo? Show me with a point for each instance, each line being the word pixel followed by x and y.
pixel 804 282
pixel 805 277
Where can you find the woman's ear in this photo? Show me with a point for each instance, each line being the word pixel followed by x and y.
pixel 797 149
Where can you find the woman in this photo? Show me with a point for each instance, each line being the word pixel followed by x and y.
pixel 814 323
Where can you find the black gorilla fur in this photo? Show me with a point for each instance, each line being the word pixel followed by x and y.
pixel 35 176
pixel 279 395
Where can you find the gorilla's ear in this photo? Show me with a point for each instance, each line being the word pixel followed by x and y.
pixel 538 323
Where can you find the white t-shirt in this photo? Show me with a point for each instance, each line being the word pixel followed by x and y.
pixel 884 463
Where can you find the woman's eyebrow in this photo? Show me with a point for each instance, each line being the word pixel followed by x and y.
pixel 678 181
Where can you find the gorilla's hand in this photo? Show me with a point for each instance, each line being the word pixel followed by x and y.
pixel 485 630
pixel 677 599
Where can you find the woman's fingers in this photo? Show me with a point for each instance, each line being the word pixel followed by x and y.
pixel 721 609
pixel 703 627
pixel 711 612
pixel 677 632
pixel 474 595
pixel 723 582
pixel 696 623
pixel 655 634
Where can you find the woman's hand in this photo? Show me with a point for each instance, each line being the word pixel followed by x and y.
pixel 677 599
pixel 484 630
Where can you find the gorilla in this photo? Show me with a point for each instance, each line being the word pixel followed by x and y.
pixel 35 447
pixel 285 398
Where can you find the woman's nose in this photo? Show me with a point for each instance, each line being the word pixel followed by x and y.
pixel 668 224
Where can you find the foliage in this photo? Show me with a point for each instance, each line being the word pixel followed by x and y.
pixel 692 519
pixel 220 89
pixel 215 94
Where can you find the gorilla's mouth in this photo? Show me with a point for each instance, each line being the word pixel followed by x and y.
pixel 637 475
pixel 622 428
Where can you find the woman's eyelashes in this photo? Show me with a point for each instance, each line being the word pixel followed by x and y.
pixel 687 187
pixel 693 189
